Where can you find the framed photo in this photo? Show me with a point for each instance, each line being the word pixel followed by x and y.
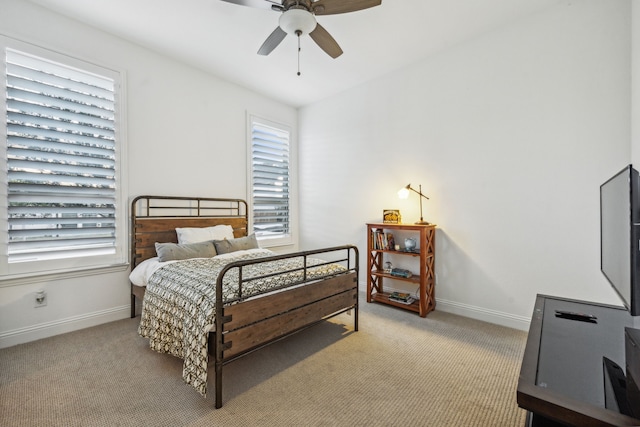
pixel 391 216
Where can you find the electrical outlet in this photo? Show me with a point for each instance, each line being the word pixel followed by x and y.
pixel 40 299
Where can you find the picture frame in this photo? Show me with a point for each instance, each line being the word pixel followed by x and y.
pixel 391 216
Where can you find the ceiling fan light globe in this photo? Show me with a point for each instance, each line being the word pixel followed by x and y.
pixel 294 20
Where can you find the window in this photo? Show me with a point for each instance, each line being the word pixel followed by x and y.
pixel 62 206
pixel 270 182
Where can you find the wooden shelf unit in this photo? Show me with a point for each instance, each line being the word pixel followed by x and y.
pixel 425 278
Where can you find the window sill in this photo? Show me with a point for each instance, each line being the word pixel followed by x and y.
pixel 48 277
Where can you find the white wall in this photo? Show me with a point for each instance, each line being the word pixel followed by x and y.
pixel 635 82
pixel 510 135
pixel 635 94
pixel 186 136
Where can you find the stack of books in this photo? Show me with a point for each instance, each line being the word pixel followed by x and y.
pixel 401 297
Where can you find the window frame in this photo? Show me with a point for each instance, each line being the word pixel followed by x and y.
pixel 291 238
pixel 18 272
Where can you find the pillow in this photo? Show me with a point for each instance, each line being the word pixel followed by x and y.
pixel 204 234
pixel 239 244
pixel 141 272
pixel 173 251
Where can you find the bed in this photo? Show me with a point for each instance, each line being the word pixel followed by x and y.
pixel 238 301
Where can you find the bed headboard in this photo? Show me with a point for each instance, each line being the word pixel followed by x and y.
pixel 155 218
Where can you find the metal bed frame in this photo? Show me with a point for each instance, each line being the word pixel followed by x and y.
pixel 245 325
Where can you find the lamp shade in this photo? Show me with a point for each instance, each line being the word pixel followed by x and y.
pixel 297 20
pixel 403 193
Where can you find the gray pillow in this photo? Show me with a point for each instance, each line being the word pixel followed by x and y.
pixel 231 245
pixel 177 251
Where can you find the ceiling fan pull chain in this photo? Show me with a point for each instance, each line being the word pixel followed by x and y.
pixel 298 33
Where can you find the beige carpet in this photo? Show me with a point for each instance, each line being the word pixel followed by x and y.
pixel 398 370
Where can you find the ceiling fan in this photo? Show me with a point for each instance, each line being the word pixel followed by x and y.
pixel 298 18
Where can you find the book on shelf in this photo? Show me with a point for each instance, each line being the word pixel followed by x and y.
pixel 401 297
pixel 406 302
pixel 382 241
pixel 401 272
pixel 391 243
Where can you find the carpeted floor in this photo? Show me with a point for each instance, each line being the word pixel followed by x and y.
pixel 398 370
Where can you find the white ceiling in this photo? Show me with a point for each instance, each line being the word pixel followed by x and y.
pixel 223 38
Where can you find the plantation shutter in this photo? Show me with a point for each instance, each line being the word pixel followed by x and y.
pixel 270 180
pixel 61 160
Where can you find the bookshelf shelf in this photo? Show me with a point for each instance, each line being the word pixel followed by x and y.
pixel 378 248
pixel 412 279
pixel 383 297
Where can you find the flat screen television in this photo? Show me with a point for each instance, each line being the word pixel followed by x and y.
pixel 620 236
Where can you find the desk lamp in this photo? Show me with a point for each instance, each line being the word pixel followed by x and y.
pixel 403 193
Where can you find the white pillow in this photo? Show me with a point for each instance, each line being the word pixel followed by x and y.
pixel 203 234
pixel 143 271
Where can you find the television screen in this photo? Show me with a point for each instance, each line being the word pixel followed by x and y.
pixel 619 243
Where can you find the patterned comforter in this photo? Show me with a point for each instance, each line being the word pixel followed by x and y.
pixel 178 310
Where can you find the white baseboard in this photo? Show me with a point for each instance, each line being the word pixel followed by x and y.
pixel 61 326
pixel 479 313
pixel 492 316
pixel 49 329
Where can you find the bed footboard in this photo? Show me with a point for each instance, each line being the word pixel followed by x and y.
pixel 246 326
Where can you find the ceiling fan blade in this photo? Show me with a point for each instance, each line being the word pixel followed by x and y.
pixel 325 41
pixel 333 7
pixel 260 4
pixel 272 41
